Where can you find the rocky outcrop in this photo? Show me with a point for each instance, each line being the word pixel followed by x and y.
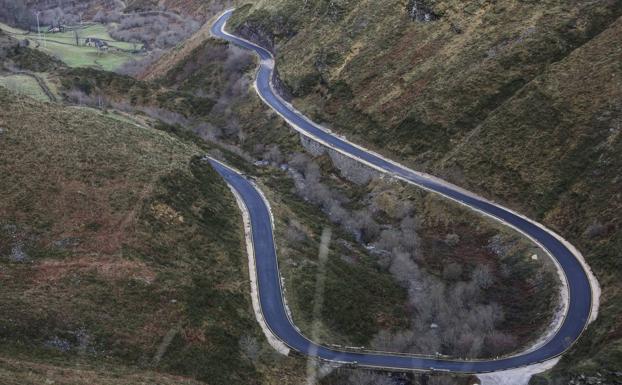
pixel 257 35
pixel 280 87
pixel 265 39
pixel 419 11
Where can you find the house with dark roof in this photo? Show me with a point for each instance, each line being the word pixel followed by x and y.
pixel 97 43
pixel 56 28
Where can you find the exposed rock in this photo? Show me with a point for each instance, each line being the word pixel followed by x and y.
pixel 419 11
pixel 257 35
pixel 266 39
pixel 350 169
pixel 609 378
pixel 455 28
pixel 499 246
pixel 17 253
pixel 58 343
pixel 83 342
pixel 166 213
pixel 280 87
pixel 79 341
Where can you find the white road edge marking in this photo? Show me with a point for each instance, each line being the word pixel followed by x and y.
pixel 273 340
pixel 595 286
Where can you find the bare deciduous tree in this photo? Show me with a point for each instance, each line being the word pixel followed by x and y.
pixel 482 276
pixel 366 225
pixel 452 272
pixel 250 347
pixel 498 343
pixel 403 268
pixel 360 377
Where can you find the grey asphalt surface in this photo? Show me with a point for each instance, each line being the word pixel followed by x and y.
pixel 270 291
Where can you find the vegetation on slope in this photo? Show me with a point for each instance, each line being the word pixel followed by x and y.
pixel 416 88
pixel 256 131
pixel 23 84
pixel 355 209
pixel 109 90
pixel 519 101
pixel 14 53
pixel 119 248
pixel 573 180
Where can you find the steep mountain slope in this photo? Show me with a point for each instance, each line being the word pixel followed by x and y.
pixel 519 101
pixel 562 145
pixel 121 256
pixel 417 87
pixel 453 91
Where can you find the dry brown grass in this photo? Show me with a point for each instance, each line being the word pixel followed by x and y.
pixel 522 105
pixel 109 268
pixel 92 174
pixel 24 372
pixel 122 235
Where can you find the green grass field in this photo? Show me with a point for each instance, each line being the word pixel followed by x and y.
pixel 62 45
pixel 98 31
pixel 23 84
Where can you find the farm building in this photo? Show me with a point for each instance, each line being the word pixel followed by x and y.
pixel 97 43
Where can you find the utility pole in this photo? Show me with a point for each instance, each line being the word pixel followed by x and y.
pixel 39 31
pixel 38 27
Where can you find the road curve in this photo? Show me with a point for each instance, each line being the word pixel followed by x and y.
pixel 268 278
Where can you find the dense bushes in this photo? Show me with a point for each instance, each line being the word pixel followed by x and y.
pixel 155 30
pixel 453 308
pixel 16 13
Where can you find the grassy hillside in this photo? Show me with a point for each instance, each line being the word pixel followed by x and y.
pixel 259 133
pixel 121 256
pixel 126 229
pixel 23 84
pixel 23 371
pixel 562 153
pixel 519 101
pixel 396 80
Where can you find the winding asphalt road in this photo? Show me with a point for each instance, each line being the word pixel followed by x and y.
pixel 268 278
